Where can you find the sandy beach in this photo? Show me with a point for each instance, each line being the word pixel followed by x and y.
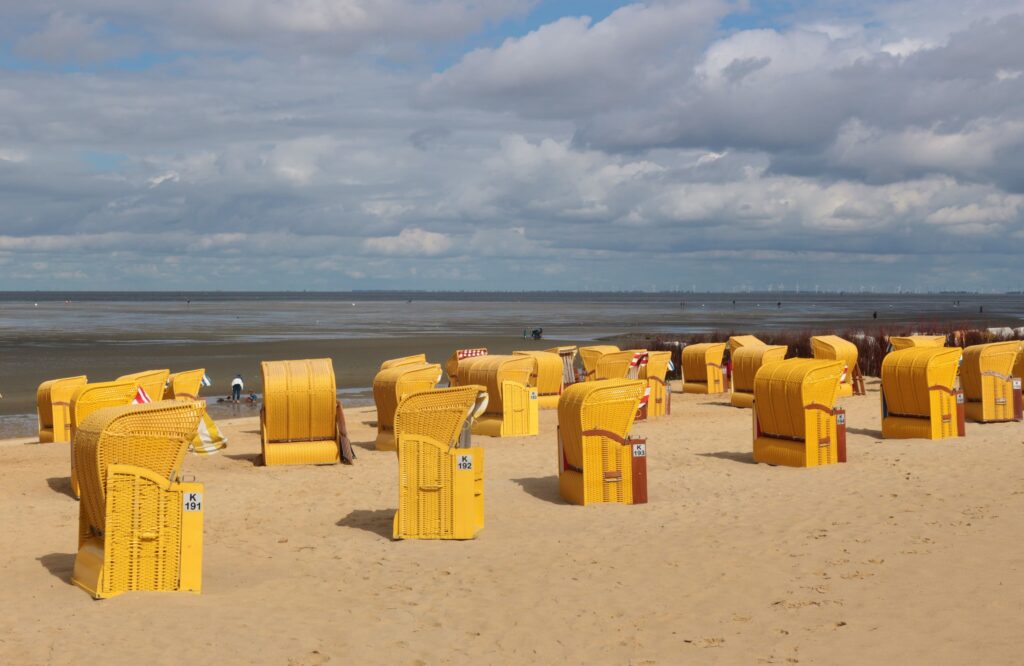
pixel 907 553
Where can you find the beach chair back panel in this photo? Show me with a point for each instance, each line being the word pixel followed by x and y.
pixel 300 399
pixel 53 407
pixel 415 359
pixel 795 398
pixel 392 383
pixel 549 375
pixel 152 382
pixel 453 366
pixel 154 436
pixel 986 376
pixel 748 360
pixel 1018 365
pixel 616 365
pixel 184 385
pixel 741 341
pixel 912 375
pixel 908 341
pixel 492 371
pixel 702 367
pixel 833 347
pixel 591 355
pixel 89 398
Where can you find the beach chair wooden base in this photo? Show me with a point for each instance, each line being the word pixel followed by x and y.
pixel 548 401
pixel 323 452
pixel 742 399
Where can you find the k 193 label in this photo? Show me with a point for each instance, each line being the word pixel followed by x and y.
pixel 840 419
pixel 464 463
pixel 639 450
pixel 192 502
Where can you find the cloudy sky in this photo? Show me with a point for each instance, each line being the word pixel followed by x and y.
pixel 511 144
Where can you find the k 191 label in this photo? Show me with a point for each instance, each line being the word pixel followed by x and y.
pixel 192 502
pixel 464 463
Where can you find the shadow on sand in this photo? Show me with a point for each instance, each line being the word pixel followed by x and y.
pixel 59 564
pixel 735 456
pixel 61 484
pixel 376 521
pixel 254 458
pixel 877 434
pixel 542 487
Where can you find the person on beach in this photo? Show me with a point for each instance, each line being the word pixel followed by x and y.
pixel 236 388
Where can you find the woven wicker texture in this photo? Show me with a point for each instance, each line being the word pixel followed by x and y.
pixel 906 342
pixel 833 347
pixel 89 398
pixel 491 371
pixel 702 367
pixel 300 411
pixel 151 381
pixel 184 385
pixel 741 341
pixel 654 374
pixel 784 390
pixel 133 534
pixel 440 487
pixel 599 467
pixel 615 365
pixel 53 408
pixel 415 359
pixel 392 383
pixel 549 371
pixel 748 360
pixel 300 400
pixel 987 381
pixel 590 356
pixel 908 374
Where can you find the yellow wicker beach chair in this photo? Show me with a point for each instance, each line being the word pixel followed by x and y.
pixel 616 365
pixel 451 366
pixel 702 368
pixel 405 360
pixel 745 364
pixel 89 398
pixel 991 391
pixel 549 379
pixel 153 382
pixel 440 477
pixel 140 528
pixel 388 388
pixel 1018 365
pixel 659 401
pixel 741 341
pixel 184 385
pixel 512 399
pixel 53 407
pixel 302 421
pixel 590 357
pixel 795 421
pixel 918 398
pixel 568 356
pixel 908 341
pixel 834 348
pixel 597 460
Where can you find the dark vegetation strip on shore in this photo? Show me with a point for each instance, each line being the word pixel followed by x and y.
pixel 871 346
